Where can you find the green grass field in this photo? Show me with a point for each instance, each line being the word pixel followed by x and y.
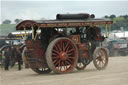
pixel 7 28
pixel 118 19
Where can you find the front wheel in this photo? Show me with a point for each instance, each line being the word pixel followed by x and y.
pixel 100 58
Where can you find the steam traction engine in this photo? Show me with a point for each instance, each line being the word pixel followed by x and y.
pixel 71 41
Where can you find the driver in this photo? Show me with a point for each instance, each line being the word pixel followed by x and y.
pixel 46 34
pixel 92 35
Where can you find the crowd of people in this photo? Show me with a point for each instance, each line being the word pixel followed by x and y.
pixel 9 56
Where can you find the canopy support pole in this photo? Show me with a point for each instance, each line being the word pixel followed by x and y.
pixel 25 34
pixel 32 32
pixel 36 33
pixel 109 29
pixel 106 30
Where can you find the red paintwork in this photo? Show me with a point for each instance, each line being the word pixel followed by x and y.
pixel 83 50
pixel 82 47
pixel 75 39
pixel 99 38
pixel 36 52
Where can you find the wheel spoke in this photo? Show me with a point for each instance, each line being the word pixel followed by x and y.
pixel 66 46
pixel 59 47
pixel 99 63
pixel 54 54
pixel 63 65
pixel 60 67
pixel 57 62
pixel 63 48
pixel 67 49
pixel 102 53
pixel 54 61
pixel 102 62
pixel 67 63
pixel 57 50
pixel 55 57
pixel 70 50
pixel 70 54
pixel 69 60
pixel 98 58
pixel 99 53
pixel 66 66
pixel 71 57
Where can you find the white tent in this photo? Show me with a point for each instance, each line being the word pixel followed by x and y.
pixel 119 34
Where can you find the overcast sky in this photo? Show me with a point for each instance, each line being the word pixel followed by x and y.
pixel 31 9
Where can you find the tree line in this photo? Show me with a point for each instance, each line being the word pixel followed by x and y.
pixel 120 21
pixel 7 21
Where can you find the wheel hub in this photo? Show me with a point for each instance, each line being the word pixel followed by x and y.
pixel 100 58
pixel 63 55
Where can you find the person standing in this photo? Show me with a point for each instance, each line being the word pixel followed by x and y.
pixel 7 55
pixel 2 58
pixel 19 57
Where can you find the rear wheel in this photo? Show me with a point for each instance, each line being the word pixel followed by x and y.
pixel 83 56
pixel 100 58
pixel 80 66
pixel 25 57
pixel 41 70
pixel 62 55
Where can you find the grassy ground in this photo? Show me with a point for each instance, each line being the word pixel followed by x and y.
pixel 13 68
pixel 7 28
pixel 118 19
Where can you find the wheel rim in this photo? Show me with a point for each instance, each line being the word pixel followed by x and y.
pixel 101 59
pixel 63 55
pixel 24 56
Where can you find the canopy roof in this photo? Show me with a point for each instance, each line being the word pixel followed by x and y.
pixel 61 23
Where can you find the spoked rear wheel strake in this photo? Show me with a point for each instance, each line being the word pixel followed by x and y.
pixel 100 58
pixel 63 55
